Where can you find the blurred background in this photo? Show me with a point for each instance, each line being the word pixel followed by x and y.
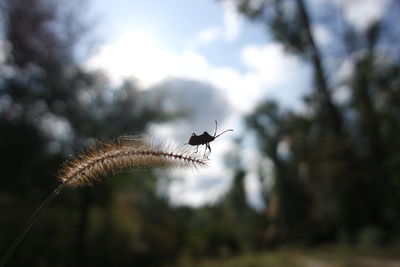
pixel 309 177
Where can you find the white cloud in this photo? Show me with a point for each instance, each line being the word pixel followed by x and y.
pixel 209 35
pixel 134 53
pixel 204 185
pixel 200 188
pixel 202 102
pixel 322 34
pixel 362 13
pixel 268 72
pixel 275 73
pixel 241 91
pixel 140 54
pixel 233 21
pixel 228 31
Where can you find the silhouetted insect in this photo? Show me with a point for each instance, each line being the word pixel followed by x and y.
pixel 205 139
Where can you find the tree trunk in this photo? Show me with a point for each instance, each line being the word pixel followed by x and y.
pixel 332 114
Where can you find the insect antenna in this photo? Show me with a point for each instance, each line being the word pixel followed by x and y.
pixel 215 132
pixel 223 132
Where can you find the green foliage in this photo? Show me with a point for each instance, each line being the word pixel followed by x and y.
pixel 335 166
pixel 371 237
pixel 335 178
pixel 349 256
pixel 225 228
pixel 51 107
pixel 278 259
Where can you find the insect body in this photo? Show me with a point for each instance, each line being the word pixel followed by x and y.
pixel 205 139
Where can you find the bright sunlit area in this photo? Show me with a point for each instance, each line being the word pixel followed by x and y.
pixel 216 65
pixel 199 133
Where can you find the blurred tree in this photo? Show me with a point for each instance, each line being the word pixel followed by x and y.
pixel 227 227
pixel 331 161
pixel 50 107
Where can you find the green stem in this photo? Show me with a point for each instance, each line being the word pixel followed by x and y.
pixel 29 224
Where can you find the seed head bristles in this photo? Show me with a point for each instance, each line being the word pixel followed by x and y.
pixel 124 154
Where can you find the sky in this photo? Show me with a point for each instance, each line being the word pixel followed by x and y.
pixel 213 62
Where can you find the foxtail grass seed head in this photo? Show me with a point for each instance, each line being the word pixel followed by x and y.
pixel 125 153
pixel 106 158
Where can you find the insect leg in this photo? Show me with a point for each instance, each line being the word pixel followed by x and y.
pixel 205 151
pixel 209 152
pixel 197 148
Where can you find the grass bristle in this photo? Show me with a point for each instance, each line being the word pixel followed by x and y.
pixel 111 157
